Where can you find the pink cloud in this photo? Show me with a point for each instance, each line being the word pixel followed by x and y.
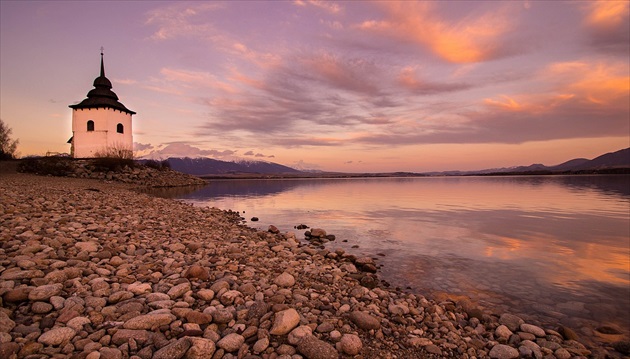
pixel 328 6
pixel 181 19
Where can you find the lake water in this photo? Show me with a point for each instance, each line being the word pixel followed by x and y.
pixel 554 249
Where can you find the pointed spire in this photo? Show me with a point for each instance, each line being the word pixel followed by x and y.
pixel 102 66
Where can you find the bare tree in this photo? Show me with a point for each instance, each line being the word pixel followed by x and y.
pixel 8 146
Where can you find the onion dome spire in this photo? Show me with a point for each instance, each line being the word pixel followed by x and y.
pixel 102 96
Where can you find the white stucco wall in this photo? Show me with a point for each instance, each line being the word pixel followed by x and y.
pixel 89 143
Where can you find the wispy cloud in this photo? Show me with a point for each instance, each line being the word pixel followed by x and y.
pixel 182 19
pixel 328 6
pixel 410 79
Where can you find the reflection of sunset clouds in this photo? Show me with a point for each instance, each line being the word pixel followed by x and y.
pixel 561 238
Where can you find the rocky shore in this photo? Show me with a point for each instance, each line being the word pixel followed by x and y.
pixel 91 269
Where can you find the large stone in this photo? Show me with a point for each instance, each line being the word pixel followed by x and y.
pixel 57 336
pixel 138 288
pixel 196 272
pixel 124 335
pixel 503 332
pixel 175 350
pixel 285 321
pixel 231 342
pixel 87 246
pixel 318 232
pixel 17 273
pixel 532 329
pixel 511 321
pixel 298 333
pixel 110 353
pixel 222 316
pixel 501 351
pixel 285 280
pixel 198 317
pixel 313 348
pixel 206 294
pixel 178 290
pixel 200 348
pixel 17 295
pixel 77 323
pixel 6 324
pixel 260 345
pixel 148 321
pixel 364 320
pixel 351 344
pixel 9 350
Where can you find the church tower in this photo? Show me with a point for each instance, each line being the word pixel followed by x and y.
pixel 101 125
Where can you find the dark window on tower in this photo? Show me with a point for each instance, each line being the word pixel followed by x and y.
pixel 90 125
pixel 120 128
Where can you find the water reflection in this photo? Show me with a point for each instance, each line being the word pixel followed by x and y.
pixel 556 247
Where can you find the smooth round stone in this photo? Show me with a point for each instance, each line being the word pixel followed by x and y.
pixel 285 280
pixel 300 332
pixel 260 345
pixel 350 344
pixel 314 348
pixel 501 351
pixel 41 307
pixel 364 320
pixel 231 342
pixel 44 292
pixel 206 294
pixel 532 329
pixel 57 336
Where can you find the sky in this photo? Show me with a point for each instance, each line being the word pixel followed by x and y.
pixel 352 86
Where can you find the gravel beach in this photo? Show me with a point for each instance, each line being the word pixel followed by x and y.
pixel 93 269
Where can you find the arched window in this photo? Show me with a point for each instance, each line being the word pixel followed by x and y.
pixel 120 128
pixel 90 125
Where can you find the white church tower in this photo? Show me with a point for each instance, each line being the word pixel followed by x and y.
pixel 101 125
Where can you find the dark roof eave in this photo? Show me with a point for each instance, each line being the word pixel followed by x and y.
pixel 121 109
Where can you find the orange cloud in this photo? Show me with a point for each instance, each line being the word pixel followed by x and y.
pixel 508 103
pixel 606 13
pixel 472 39
pixel 599 83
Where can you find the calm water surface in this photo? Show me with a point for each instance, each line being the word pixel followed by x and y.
pixel 553 249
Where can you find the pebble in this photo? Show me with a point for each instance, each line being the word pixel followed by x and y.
pixel 350 344
pixel 57 336
pixel 231 342
pixel 314 348
pixel 501 351
pixel 364 320
pixel 285 321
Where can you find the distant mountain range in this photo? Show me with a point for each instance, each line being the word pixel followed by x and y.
pixel 607 162
pixel 203 166
pixel 208 167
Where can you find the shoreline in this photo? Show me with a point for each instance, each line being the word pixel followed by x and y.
pixel 107 256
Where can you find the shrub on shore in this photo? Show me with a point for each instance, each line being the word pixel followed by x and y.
pixel 53 166
pixel 158 165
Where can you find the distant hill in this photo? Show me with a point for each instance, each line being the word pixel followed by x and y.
pixel 613 162
pixel 619 160
pixel 208 167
